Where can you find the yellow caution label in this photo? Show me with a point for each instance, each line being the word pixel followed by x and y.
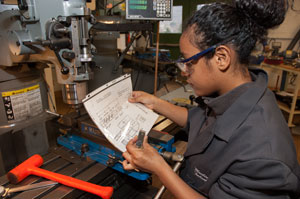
pixel 23 90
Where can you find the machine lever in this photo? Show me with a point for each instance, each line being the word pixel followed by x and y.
pixel 53 113
pixel 22 4
pixel 112 160
pixel 174 157
pixel 64 70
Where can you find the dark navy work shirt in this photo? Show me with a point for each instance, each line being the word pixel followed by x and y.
pixel 240 146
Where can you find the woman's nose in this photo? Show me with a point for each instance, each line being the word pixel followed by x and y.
pixel 185 74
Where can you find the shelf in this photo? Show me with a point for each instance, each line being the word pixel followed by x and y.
pixel 286 108
pixel 290 110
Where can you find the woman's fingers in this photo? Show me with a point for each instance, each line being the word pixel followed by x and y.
pixel 134 96
pixel 145 141
pixel 127 165
pixel 130 147
pixel 127 156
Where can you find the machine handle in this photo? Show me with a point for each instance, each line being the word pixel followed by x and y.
pixel 22 4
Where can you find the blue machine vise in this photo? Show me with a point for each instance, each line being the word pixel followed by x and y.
pixel 111 158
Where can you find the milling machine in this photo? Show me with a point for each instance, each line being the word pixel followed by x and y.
pixel 36 34
pixel 82 49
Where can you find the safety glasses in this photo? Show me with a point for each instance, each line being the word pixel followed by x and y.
pixel 185 64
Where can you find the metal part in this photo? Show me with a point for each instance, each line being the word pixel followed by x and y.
pixel 64 70
pixel 163 188
pixel 73 94
pixel 39 26
pixel 140 140
pixel 178 158
pixel 84 148
pixel 4 7
pixel 4 192
pixel 123 27
pixel 52 113
pixel 22 4
pixel 170 156
pixel 113 160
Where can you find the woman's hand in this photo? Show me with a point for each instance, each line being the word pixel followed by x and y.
pixel 175 113
pixel 149 160
pixel 146 158
pixel 145 98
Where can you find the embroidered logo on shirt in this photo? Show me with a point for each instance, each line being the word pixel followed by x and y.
pixel 200 175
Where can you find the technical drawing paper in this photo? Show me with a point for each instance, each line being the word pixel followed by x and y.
pixel 118 119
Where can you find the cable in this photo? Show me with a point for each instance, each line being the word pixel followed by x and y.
pixel 166 87
pixel 117 64
pixel 136 79
pixel 99 4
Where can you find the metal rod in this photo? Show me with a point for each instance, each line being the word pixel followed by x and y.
pixel 163 188
pixel 53 113
pixel 32 186
pixel 156 59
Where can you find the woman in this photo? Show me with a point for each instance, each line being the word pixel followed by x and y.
pixel 239 145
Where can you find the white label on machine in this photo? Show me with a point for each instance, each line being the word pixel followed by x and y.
pixel 23 103
pixel 118 119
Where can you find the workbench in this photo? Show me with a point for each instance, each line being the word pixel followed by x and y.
pixel 292 109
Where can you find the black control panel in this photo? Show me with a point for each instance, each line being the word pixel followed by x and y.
pixel 149 9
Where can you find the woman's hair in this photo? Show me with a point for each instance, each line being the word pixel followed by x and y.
pixel 246 21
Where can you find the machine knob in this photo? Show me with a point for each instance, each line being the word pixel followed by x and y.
pixel 84 148
pixel 68 55
pixel 65 70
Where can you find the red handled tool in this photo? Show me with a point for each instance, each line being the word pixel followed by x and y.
pixel 31 167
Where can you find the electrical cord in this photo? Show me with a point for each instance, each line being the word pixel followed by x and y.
pixel 136 79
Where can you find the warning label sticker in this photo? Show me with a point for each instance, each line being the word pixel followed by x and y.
pixel 23 103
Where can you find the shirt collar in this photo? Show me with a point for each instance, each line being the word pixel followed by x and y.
pixel 244 104
pixel 221 103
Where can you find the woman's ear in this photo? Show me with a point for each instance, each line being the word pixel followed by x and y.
pixel 223 58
